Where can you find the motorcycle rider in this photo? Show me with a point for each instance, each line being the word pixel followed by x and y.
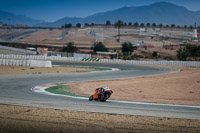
pixel 101 94
pixel 103 89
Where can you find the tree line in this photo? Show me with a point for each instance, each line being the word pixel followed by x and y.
pixel 126 48
pixel 188 51
pixel 136 24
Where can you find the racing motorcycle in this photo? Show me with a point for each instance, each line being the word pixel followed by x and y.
pixel 101 94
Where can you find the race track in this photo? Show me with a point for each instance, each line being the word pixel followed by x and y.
pixel 16 90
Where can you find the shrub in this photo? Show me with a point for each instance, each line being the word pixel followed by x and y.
pixel 99 46
pixel 70 48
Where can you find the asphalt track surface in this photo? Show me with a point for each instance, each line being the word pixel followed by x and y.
pixel 16 90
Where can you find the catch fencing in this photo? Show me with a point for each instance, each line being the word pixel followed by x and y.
pixel 37 57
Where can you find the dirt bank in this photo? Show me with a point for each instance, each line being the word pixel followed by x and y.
pixel 38 120
pixel 5 70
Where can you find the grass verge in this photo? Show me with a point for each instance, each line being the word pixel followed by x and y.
pixel 102 69
pixel 62 89
pixel 96 69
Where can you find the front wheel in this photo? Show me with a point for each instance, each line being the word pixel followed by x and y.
pixel 106 96
pixel 91 98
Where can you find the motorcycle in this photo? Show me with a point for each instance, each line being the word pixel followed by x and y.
pixel 101 94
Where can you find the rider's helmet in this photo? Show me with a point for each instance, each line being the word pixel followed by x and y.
pixel 106 88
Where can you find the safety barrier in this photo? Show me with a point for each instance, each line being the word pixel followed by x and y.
pixel 78 55
pixel 31 63
pixel 90 59
pixel 173 63
pixel 37 57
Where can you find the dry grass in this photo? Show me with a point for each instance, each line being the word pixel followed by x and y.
pixel 51 38
pixel 28 119
pixel 81 38
pixel 47 37
pixel 3 51
pixel 4 70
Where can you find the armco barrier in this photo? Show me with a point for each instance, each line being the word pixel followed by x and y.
pixel 37 57
pixel 31 63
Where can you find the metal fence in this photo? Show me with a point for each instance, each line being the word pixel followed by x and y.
pixel 37 57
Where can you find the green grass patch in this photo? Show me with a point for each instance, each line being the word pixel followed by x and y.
pixel 102 69
pixel 61 89
pixel 94 69
pixel 91 68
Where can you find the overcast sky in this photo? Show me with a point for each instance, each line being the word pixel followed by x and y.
pixel 52 10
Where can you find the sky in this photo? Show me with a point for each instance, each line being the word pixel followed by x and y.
pixel 52 10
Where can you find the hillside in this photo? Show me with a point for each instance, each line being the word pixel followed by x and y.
pixel 161 12
pixel 9 18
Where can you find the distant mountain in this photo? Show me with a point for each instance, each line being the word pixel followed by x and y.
pixel 60 22
pixel 9 18
pixel 162 12
pixel 159 13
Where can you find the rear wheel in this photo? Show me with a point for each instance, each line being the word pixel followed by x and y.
pixel 91 98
